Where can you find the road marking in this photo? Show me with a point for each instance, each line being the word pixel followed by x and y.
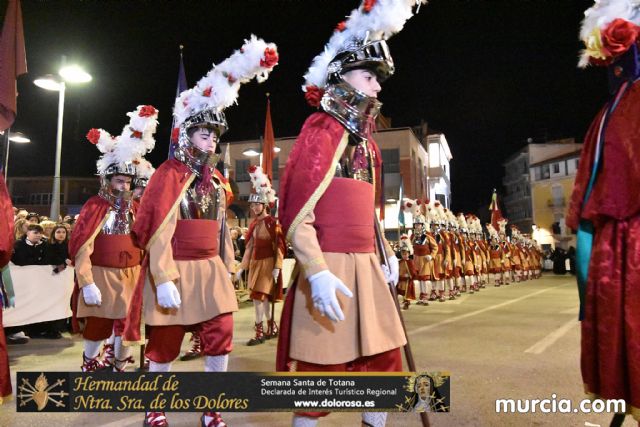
pixel 483 310
pixel 550 339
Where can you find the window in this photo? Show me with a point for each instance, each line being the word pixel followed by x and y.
pixel 242 175
pixel 556 168
pixel 391 160
pixel 545 172
pixel 537 173
pixel 442 199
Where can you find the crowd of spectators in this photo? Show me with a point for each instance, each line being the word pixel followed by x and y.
pixel 40 241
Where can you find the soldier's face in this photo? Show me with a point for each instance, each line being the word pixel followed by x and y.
pixel 363 80
pixel 257 208
pixel 121 182
pixel 405 255
pixel 418 227
pixel 205 139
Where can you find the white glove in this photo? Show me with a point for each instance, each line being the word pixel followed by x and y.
pixel 428 258
pixel 323 293
pixel 168 295
pixel 391 272
pixel 239 275
pixel 91 294
pixel 275 273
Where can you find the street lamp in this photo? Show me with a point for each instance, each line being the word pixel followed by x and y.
pixel 68 74
pixel 18 138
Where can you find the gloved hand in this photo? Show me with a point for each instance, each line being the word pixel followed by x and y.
pixel 275 273
pixel 239 275
pixel 323 293
pixel 428 258
pixel 91 294
pixel 391 271
pixel 168 295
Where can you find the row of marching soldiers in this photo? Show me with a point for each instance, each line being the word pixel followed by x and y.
pixel 448 254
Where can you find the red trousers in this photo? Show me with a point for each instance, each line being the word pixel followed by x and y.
pixel 389 361
pixel 5 375
pixel 100 328
pixel 216 337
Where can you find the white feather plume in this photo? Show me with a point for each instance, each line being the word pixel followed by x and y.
pixel 132 144
pixel 386 18
pixel 219 88
pixel 261 184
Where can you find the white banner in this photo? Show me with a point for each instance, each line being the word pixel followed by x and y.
pixel 41 295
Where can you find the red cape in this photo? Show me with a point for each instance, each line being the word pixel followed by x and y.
pixel 91 216
pixel 6 225
pixel 308 166
pixel 160 198
pixel 307 174
pixel 613 194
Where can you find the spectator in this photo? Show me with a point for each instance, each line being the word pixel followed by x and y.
pixel 30 249
pixel 57 253
pixel 20 228
pixel 22 214
pixel 238 243
pixel 33 218
pixel 559 256
pixel 47 227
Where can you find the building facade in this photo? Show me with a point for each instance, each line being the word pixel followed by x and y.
pixel 518 178
pixel 34 193
pixel 552 182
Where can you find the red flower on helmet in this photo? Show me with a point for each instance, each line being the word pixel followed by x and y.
pixel 93 136
pixel 270 58
pixel 147 111
pixel 207 91
pixel 313 95
pixel 341 26
pixel 618 36
pixel 231 79
pixel 252 169
pixel 409 204
pixel 136 162
pixel 367 5
pixel 175 132
pixel 136 134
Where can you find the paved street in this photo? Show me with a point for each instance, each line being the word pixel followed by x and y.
pixel 520 342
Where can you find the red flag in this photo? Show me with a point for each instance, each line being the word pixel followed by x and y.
pixel 496 214
pixel 13 62
pixel 268 145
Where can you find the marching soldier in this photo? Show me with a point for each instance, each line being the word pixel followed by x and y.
pixel 263 256
pixel 185 285
pixel 107 262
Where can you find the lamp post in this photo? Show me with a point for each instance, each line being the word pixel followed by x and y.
pixel 18 138
pixel 70 74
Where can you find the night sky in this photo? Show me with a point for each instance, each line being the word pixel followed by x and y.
pixel 487 73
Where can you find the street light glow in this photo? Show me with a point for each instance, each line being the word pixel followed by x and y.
pixel 75 74
pixel 251 152
pixel 48 82
pixel 18 137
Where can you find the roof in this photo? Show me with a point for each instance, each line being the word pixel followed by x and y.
pixel 574 153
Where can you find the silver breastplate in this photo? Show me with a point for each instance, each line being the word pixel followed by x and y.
pixel 198 206
pixel 120 216
pixel 356 163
